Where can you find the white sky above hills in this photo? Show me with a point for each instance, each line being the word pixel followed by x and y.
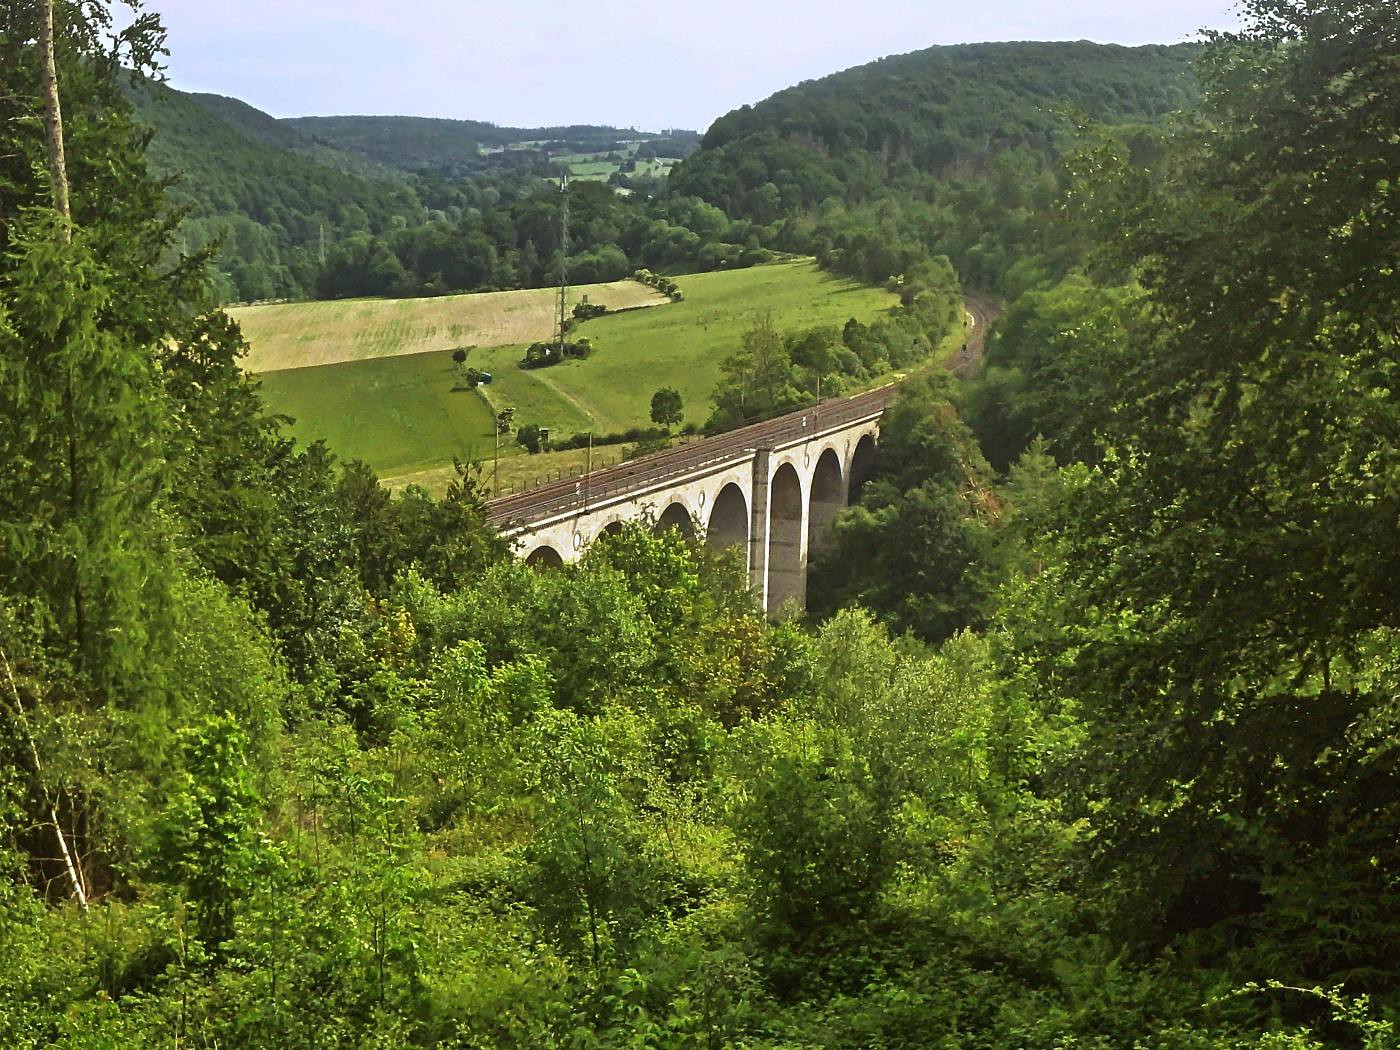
pixel 530 63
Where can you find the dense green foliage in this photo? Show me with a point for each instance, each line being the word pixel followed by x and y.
pixel 330 769
pixel 1217 609
pixel 1232 558
pixel 1048 361
pixel 914 545
pixel 775 372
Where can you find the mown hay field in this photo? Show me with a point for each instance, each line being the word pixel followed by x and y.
pixel 303 335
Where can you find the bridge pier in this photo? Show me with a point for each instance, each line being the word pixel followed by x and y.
pixel 758 524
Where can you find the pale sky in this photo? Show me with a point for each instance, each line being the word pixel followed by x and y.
pixel 664 63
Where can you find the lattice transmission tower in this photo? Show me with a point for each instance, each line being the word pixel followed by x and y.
pixel 562 321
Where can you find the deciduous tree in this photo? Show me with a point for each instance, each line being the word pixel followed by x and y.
pixel 1227 588
pixel 667 409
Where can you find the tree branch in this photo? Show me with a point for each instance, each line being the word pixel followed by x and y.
pixel 71 865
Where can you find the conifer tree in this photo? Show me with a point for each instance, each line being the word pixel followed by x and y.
pixel 86 309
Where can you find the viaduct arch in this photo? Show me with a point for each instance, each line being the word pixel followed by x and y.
pixel 771 490
pixel 729 520
pixel 677 516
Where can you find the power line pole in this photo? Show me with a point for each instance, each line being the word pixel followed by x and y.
pixel 563 262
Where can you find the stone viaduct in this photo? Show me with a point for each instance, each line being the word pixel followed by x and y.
pixel 771 489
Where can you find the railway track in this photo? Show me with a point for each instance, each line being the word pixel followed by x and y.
pixel 561 495
pixel 984 310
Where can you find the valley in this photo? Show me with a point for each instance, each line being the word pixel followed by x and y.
pixel 940 593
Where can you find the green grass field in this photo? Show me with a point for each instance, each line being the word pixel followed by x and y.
pixel 594 170
pixel 598 167
pixel 682 345
pixel 399 414
pixel 603 170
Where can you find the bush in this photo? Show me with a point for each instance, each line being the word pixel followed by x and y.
pixel 469 378
pixel 665 285
pixel 543 355
pixel 619 437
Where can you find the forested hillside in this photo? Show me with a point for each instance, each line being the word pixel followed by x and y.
pixel 950 151
pixel 267 194
pixel 451 147
pixel 328 207
pixel 1088 742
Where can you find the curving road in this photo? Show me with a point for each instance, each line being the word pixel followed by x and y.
pixel 549 499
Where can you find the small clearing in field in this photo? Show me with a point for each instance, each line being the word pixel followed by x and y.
pixel 301 335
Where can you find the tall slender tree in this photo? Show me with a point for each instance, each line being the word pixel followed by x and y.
pixel 53 116
pixel 87 307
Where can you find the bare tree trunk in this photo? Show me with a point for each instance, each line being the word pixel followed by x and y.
pixel 70 862
pixel 53 115
pixel 58 177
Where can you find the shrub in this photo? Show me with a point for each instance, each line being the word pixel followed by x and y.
pixel 543 355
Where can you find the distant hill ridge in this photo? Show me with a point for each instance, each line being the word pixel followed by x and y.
pixel 278 191
pixel 437 143
pixel 950 150
pixel 405 143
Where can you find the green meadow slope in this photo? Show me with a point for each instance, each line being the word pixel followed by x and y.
pixel 400 415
